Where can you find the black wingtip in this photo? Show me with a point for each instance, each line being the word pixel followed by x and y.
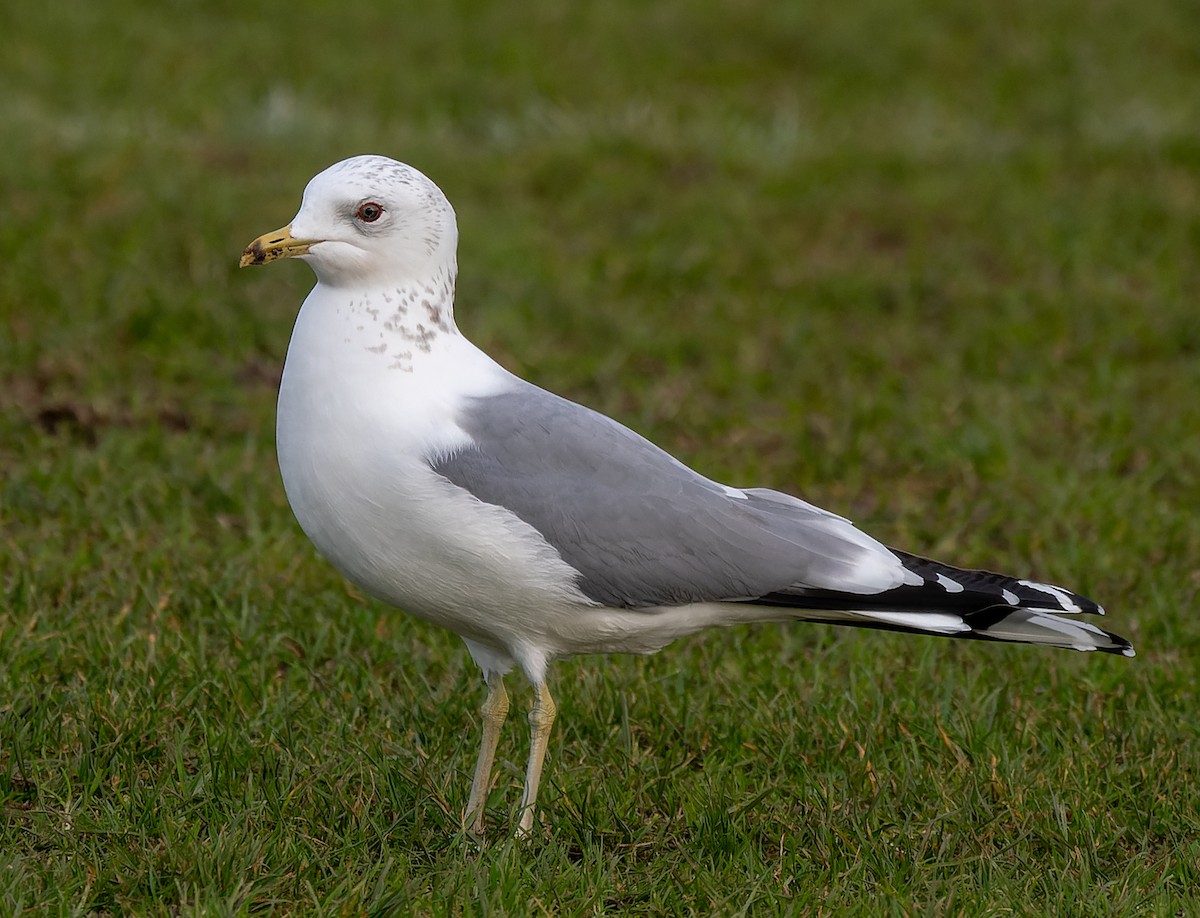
pixel 1120 645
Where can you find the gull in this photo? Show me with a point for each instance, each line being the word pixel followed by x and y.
pixel 536 528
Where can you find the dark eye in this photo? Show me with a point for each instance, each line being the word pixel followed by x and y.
pixel 369 212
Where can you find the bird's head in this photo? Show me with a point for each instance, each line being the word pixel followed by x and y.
pixel 367 221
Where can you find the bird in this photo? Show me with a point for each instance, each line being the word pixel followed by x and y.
pixel 533 527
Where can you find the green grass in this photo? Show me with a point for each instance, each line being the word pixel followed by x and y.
pixel 929 265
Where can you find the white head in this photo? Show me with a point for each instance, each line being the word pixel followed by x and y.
pixel 365 222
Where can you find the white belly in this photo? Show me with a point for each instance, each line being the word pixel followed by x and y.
pixel 355 474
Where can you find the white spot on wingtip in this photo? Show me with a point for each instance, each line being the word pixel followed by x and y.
pixel 1063 597
pixel 950 586
pixel 1010 597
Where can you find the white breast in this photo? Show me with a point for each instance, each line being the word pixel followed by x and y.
pixel 354 430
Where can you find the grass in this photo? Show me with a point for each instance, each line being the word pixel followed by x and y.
pixel 929 265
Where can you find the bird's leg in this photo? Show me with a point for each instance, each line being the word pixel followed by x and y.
pixel 541 719
pixel 495 709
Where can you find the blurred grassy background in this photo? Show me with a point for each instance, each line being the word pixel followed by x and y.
pixel 929 265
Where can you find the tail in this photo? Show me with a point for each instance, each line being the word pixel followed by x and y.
pixel 961 603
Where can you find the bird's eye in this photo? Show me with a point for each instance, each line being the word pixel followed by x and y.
pixel 369 212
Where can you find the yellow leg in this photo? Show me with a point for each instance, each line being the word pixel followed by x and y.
pixel 541 719
pixel 494 709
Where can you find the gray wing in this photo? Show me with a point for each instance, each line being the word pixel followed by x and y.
pixel 641 528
